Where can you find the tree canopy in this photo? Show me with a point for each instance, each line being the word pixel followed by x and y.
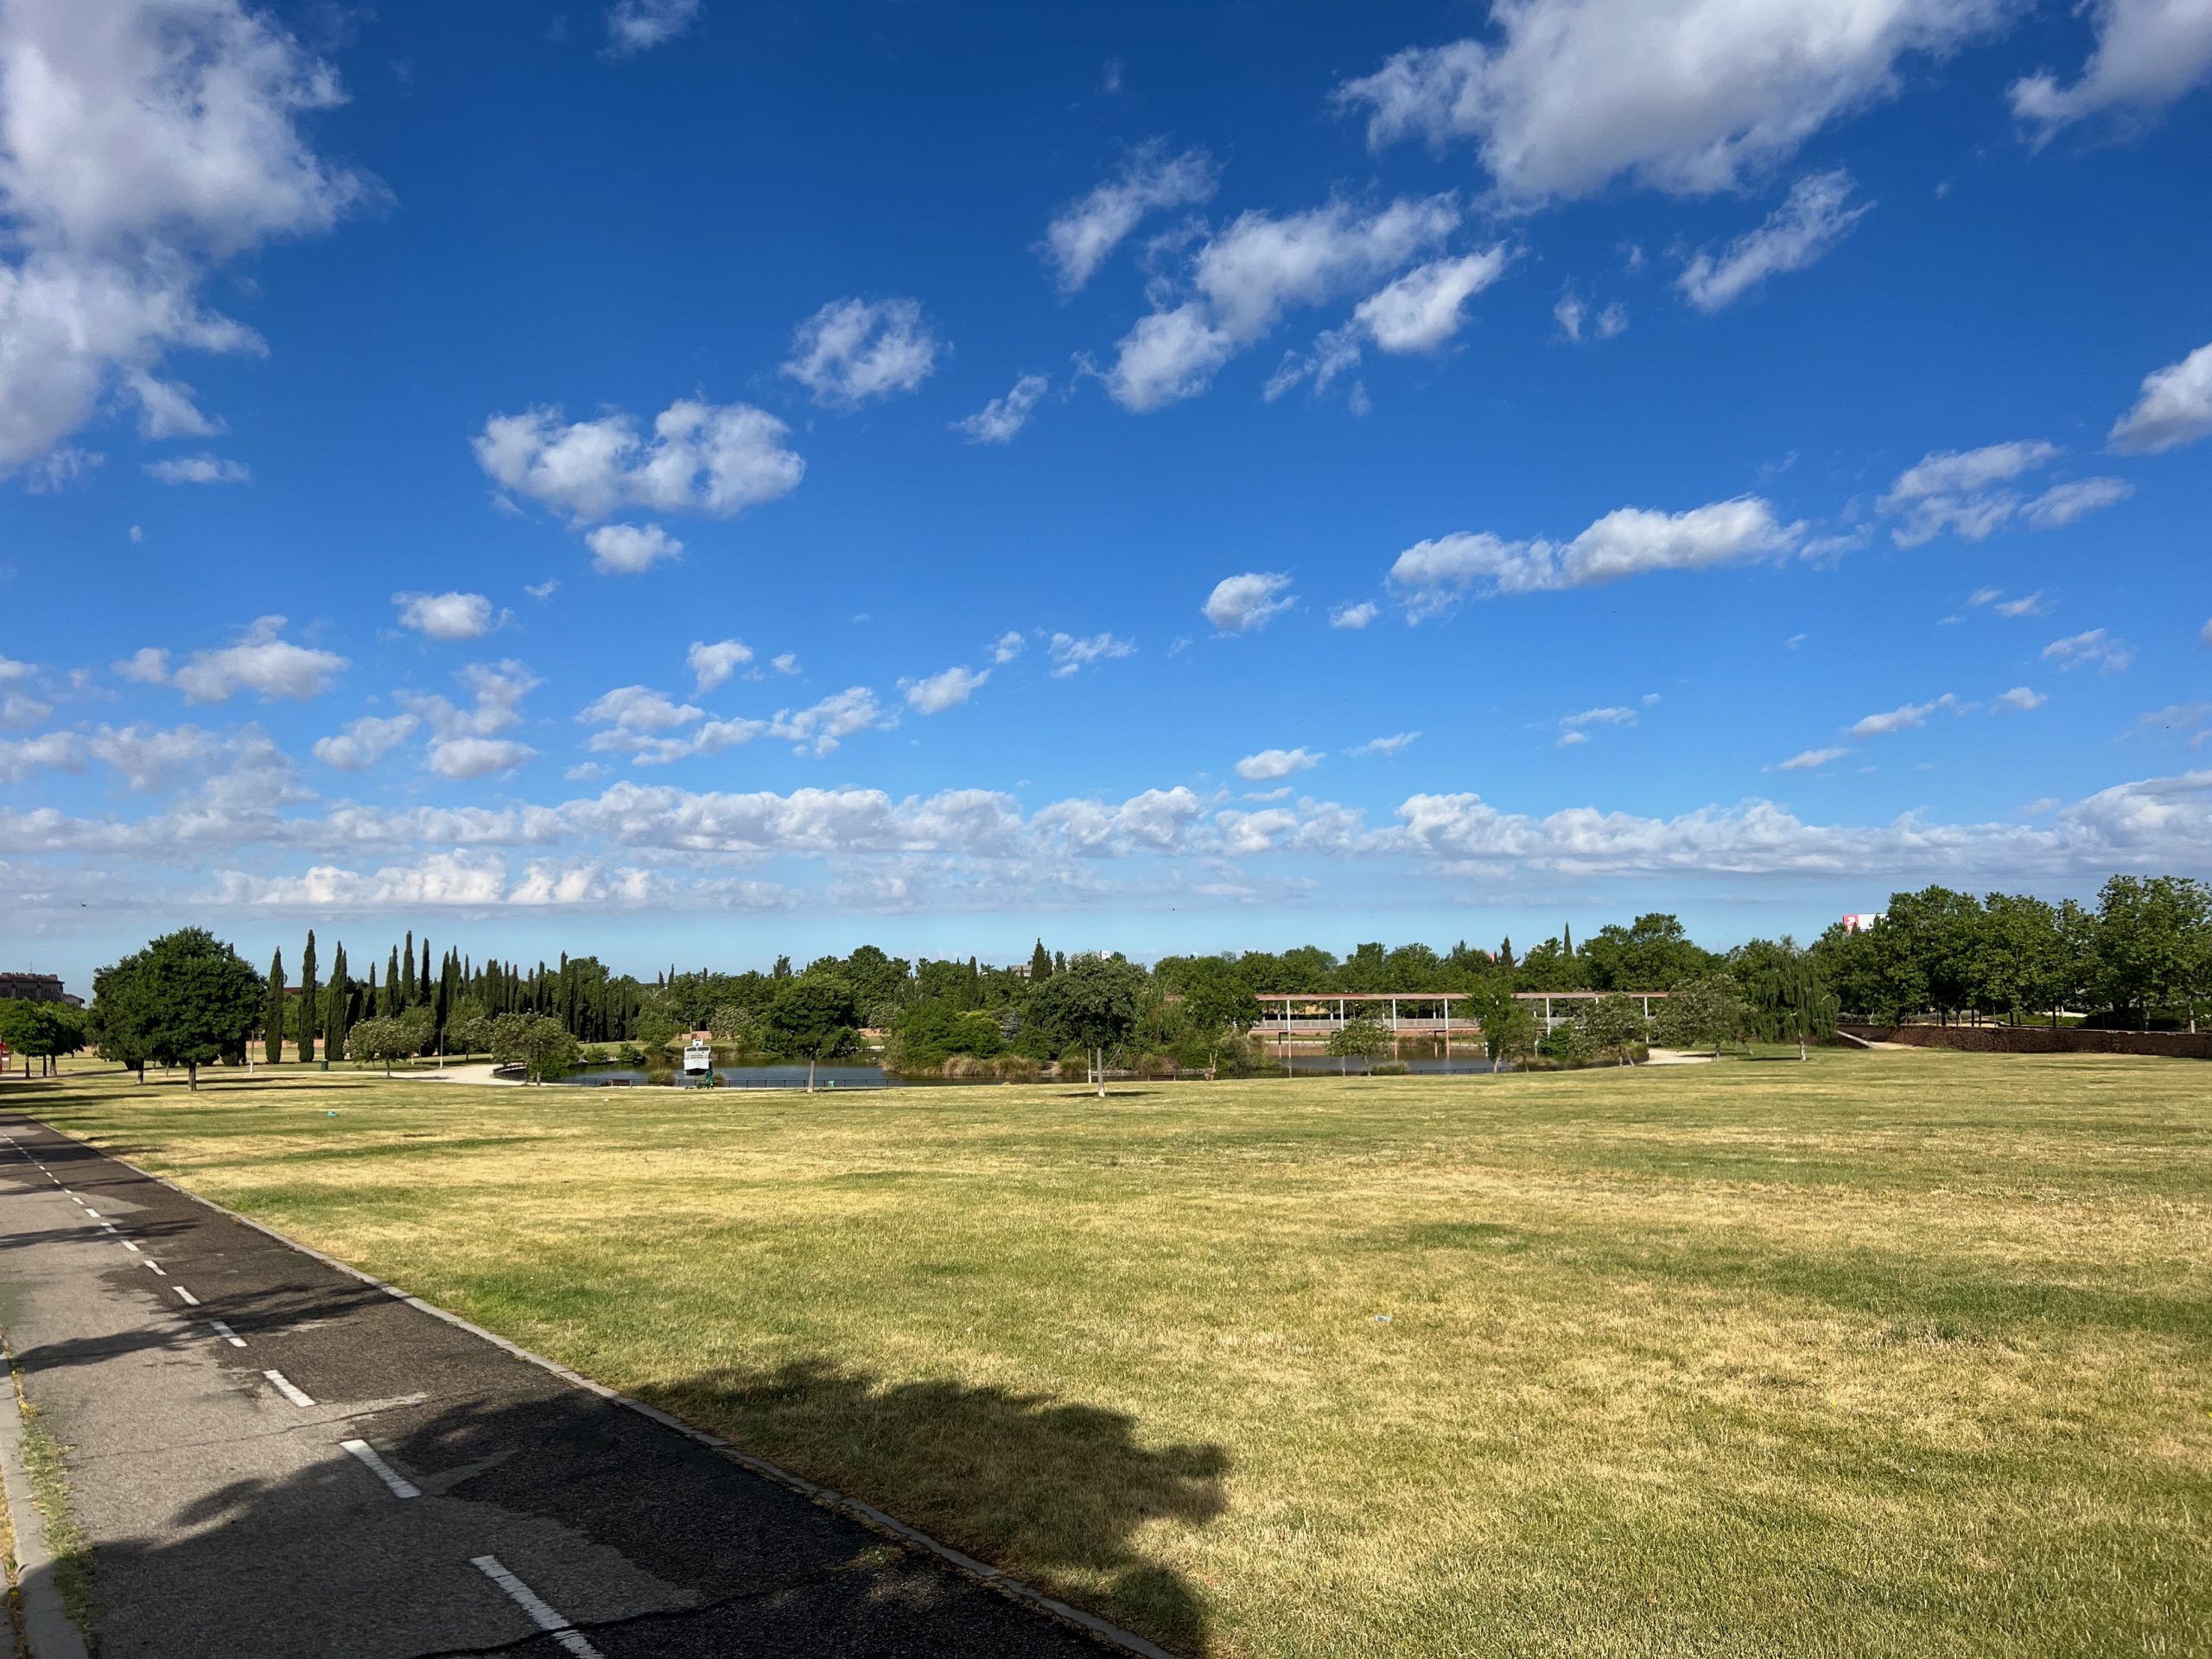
pixel 188 999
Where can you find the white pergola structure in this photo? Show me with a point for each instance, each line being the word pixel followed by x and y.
pixel 1316 1016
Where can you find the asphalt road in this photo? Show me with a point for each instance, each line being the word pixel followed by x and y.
pixel 272 1458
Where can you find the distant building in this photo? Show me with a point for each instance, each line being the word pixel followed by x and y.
pixel 37 988
pixel 1861 921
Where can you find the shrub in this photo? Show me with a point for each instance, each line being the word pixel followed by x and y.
pixel 1390 1069
pixel 1017 1068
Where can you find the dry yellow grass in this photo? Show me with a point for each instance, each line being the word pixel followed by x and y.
pixel 1882 1354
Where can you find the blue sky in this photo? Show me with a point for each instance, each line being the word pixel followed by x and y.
pixel 693 482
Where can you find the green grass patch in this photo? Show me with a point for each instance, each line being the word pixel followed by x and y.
pixel 1895 1353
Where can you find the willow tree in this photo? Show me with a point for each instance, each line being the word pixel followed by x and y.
pixel 1789 1001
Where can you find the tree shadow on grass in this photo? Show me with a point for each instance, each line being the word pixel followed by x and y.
pixel 1042 1487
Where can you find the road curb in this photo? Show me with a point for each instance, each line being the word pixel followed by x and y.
pixel 47 1630
pixel 866 1514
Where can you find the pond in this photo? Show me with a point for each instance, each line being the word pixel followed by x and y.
pixel 841 1075
pixel 1458 1065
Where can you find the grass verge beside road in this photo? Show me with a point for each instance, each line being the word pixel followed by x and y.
pixel 1899 1352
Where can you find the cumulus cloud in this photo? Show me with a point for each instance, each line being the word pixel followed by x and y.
pixel 651 728
pixel 1810 760
pixel 1243 603
pixel 998 420
pixel 2174 407
pixel 1421 311
pixel 1963 491
pixel 198 469
pixel 1072 655
pixel 1431 577
pixel 712 665
pixel 26 757
pixel 631 549
pixel 143 145
pixel 935 693
pixel 445 616
pixel 262 662
pixel 1008 646
pixel 1355 617
pixel 148 665
pixel 1573 314
pixel 635 26
pixel 853 350
pixel 1270 764
pixel 822 728
pixel 1566 98
pixel 1085 232
pixel 2148 53
pixel 1242 281
pixel 709 458
pixel 1814 218
pixel 1396 743
pixel 1903 718
pixel 2094 647
pixel 364 741
pixel 2021 698
pixel 1575 727
pixel 465 742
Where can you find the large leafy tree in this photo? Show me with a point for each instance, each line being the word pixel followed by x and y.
pixel 1651 954
pixel 1361 1039
pixel 1220 1005
pixel 2019 957
pixel 2154 944
pixel 1788 999
pixel 814 1015
pixel 538 1043
pixel 1091 1004
pixel 380 1040
pixel 1609 1027
pixel 188 999
pixel 1706 1012
pixel 40 1030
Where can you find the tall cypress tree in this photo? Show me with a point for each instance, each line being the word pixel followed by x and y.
pixel 391 1004
pixel 369 996
pixel 334 1018
pixel 1041 964
pixel 407 998
pixel 272 1012
pixel 310 1009
pixel 423 985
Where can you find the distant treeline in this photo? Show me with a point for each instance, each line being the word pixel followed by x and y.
pixel 2141 956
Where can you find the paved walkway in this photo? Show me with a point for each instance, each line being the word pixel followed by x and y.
pixel 273 1459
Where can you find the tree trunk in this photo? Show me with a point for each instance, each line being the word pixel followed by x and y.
pixel 192 1075
pixel 1101 1073
pixel 809 1074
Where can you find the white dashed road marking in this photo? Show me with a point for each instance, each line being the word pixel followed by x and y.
pixel 133 1248
pixel 227 1334
pixel 291 1390
pixel 190 1300
pixel 401 1486
pixel 529 1600
pixel 157 1266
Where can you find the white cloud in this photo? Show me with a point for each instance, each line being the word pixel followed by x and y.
pixel 1575 727
pixel 1245 279
pixel 2095 646
pixel 830 721
pixel 151 757
pixel 714 459
pixel 1243 603
pixel 2148 52
pixel 1422 309
pixel 1571 313
pixel 2022 698
pixel 1810 760
pixel 938 692
pixel 1352 616
pixel 648 726
pixel 1956 490
pixel 2022 605
pixel 364 742
pixel 199 469
pixel 1009 645
pixel 639 709
pixel 2062 503
pixel 1568 740
pixel 630 550
pixel 1270 764
pixel 464 742
pixel 1813 219
pixel 854 350
pixel 26 757
pixel 1903 718
pixel 1396 743
pixel 634 26
pixel 262 662
pixel 148 665
pixel 445 616
pixel 713 664
pixel 1087 231
pixel 543 590
pixel 998 420
pixel 1072 655
pixel 1432 576
pixel 2174 407
pixel 785 662
pixel 144 143
pixel 1687 95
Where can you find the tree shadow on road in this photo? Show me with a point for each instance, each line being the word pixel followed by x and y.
pixel 1045 1488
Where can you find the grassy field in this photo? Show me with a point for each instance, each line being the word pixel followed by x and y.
pixel 1895 1353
